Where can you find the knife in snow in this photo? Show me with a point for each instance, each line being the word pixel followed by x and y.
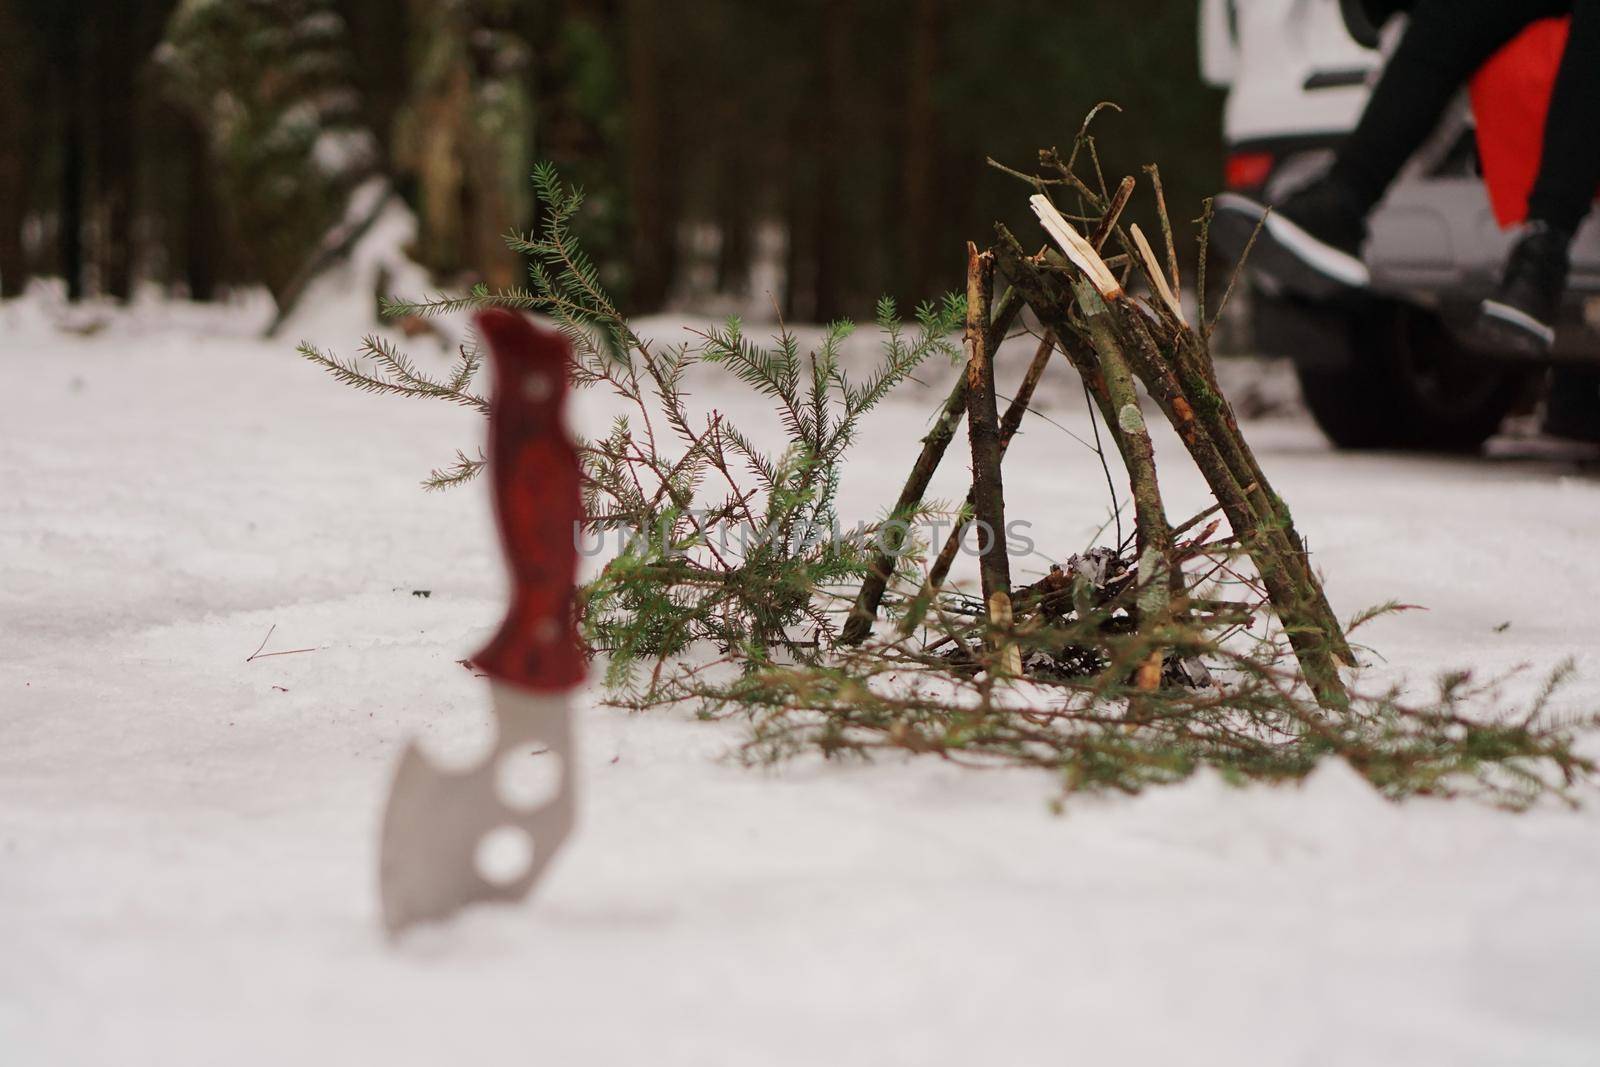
pixel 437 821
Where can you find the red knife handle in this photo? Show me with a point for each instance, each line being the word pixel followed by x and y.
pixel 533 471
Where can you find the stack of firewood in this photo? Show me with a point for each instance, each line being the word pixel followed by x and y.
pixel 1115 340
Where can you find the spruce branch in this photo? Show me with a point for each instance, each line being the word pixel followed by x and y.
pixel 460 471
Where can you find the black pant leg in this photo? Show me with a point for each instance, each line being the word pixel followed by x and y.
pixel 1445 42
pixel 1570 171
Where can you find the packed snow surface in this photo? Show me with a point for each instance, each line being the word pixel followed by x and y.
pixel 187 839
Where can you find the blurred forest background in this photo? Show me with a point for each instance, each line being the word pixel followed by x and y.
pixel 199 145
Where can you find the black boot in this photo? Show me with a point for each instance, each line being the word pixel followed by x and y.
pixel 1310 244
pixel 1520 319
pixel 1573 410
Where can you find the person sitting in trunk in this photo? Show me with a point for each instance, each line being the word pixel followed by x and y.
pixel 1312 241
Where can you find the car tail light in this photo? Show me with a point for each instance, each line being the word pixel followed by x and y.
pixel 1248 170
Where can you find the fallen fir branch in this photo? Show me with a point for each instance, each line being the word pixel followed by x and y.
pixel 1252 727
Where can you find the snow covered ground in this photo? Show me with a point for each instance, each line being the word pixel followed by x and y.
pixel 187 839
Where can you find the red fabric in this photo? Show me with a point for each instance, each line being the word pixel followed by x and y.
pixel 1510 98
pixel 534 470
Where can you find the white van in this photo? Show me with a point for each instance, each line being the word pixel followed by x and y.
pixel 1383 370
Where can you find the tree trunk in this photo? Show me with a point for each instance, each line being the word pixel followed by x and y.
pixel 435 138
pixel 377 36
pixel 19 148
pixel 734 195
pixel 67 92
pixel 116 48
pixel 652 242
pixel 202 221
pixel 832 286
pixel 464 136
pixel 799 225
pixel 919 170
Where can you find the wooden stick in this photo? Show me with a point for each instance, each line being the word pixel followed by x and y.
pixel 1009 424
pixel 1108 221
pixel 1154 598
pixel 983 431
pixel 1009 662
pixel 864 612
pixel 1102 329
pixel 1199 376
pixel 1166 225
pixel 870 596
pixel 1255 530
